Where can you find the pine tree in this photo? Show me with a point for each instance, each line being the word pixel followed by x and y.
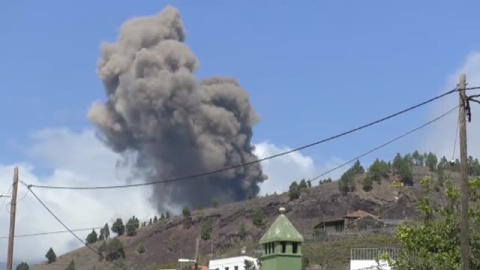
pixel 150 222
pixel 131 227
pixel 155 219
pixel 207 229
pixel 294 191
pixel 106 231
pixel 162 217
pixel 432 161
pixel 114 250
pixel 302 185
pixel 367 183
pixel 416 158
pixel 51 256
pixel 118 227
pixel 186 212
pixel 167 215
pixel 141 249
pixel 92 238
pixel 23 266
pixel 258 217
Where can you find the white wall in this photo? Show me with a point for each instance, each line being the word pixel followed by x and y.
pixel 221 264
pixel 368 264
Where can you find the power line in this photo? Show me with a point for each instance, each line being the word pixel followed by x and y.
pixel 473 88
pixel 385 144
pixel 49 233
pixel 66 227
pixel 255 161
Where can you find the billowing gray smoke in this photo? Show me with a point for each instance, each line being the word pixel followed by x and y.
pixel 175 125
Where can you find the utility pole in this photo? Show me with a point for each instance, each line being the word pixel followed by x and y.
pixel 196 254
pixel 464 231
pixel 13 210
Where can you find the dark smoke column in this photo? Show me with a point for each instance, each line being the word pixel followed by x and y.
pixel 174 125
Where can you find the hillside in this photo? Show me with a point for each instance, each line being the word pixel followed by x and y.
pixel 168 240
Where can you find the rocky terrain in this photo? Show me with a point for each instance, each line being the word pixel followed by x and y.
pixel 168 240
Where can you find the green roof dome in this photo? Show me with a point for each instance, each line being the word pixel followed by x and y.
pixel 281 230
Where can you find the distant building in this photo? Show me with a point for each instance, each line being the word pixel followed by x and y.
pixel 233 263
pixel 367 258
pixel 358 220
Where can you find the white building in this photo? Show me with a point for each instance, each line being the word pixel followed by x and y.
pixel 234 263
pixel 366 258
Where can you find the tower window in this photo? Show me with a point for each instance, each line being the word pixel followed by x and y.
pixel 295 248
pixel 284 247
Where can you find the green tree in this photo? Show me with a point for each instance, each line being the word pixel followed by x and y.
pixel 367 183
pixel 131 227
pixel 51 256
pixel 242 232
pixel 186 212
pixel 417 159
pixel 302 185
pixel 114 250
pixel 23 266
pixel 434 243
pixel 136 222
pixel 357 168
pixel 92 237
pixel 207 230
pixel 397 163
pixel 347 180
pixel 167 215
pixel 405 173
pixel 443 164
pixel 162 217
pixel 214 203
pixel 141 249
pixel 378 170
pixel 309 183
pixel 118 227
pixel 71 266
pixel 432 161
pixel 258 217
pixel 294 191
pixel 150 222
pixel 106 231
pixel 155 219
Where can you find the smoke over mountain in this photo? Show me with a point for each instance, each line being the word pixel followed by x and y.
pixel 174 124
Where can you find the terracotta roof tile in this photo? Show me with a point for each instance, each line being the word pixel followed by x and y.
pixel 358 214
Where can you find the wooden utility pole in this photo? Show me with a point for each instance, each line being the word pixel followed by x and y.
pixel 464 231
pixel 196 254
pixel 13 210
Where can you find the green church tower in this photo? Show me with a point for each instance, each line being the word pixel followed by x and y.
pixel 281 245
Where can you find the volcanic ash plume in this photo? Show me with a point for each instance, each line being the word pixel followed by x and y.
pixel 175 125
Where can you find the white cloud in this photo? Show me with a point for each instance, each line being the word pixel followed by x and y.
pixel 441 138
pixel 282 171
pixel 78 159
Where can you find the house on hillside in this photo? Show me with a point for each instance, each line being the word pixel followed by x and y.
pixel 356 221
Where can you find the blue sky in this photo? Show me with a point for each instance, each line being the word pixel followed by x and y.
pixel 312 69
